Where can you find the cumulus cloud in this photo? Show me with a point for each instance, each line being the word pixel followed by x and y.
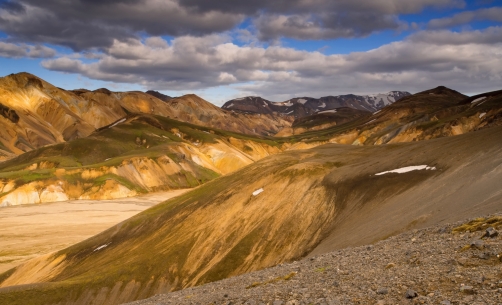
pixel 470 61
pixel 87 24
pixel 12 50
pixel 491 35
pixel 84 24
pixel 489 14
pixel 324 25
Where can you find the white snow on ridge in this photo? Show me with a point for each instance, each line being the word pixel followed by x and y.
pixel 302 101
pixel 257 192
pixel 376 112
pixel 478 99
pixel 328 111
pixel 231 105
pixel 101 247
pixel 284 104
pixel 407 169
pixel 482 115
pixel 118 122
pixel 323 105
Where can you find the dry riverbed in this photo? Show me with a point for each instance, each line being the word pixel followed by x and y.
pixel 28 231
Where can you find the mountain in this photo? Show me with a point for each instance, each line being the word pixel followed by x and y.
pixel 138 154
pixel 439 112
pixel 34 113
pixel 322 120
pixel 305 106
pixel 159 95
pixel 336 196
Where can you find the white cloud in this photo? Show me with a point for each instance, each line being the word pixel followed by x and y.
pixel 491 14
pixel 12 50
pixel 469 61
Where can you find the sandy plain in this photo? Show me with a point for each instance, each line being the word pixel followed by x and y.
pixel 28 231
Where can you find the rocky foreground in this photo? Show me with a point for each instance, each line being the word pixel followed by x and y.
pixel 450 264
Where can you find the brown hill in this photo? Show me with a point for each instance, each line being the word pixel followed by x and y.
pixel 34 113
pixel 159 95
pixel 323 120
pixel 431 114
pixel 281 208
pixel 142 153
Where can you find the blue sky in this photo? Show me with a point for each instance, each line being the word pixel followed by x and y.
pixel 277 50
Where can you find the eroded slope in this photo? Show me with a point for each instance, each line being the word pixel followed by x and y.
pixel 281 208
pixel 142 153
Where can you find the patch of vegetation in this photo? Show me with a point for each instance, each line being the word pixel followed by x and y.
pixel 25 177
pixel 479 224
pixel 277 279
pixel 321 270
pixel 125 182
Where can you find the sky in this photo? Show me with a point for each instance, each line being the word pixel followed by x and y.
pixel 277 49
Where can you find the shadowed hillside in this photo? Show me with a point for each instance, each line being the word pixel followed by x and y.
pixel 335 195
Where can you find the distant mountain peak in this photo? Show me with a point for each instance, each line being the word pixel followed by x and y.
pixel 159 95
pixel 305 106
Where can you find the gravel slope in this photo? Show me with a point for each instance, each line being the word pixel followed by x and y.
pixel 428 266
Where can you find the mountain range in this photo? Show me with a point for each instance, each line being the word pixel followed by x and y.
pixel 304 106
pixel 330 179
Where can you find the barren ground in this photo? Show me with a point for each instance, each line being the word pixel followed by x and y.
pixel 28 231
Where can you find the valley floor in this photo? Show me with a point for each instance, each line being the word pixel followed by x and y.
pixel 438 265
pixel 28 231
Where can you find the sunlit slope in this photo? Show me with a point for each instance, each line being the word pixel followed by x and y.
pixel 34 113
pixel 187 108
pixel 439 112
pixel 312 200
pixel 142 153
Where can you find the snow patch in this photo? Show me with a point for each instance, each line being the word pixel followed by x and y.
pixel 329 111
pixel 118 122
pixel 370 121
pixel 323 105
pixel 257 192
pixel 101 247
pixel 376 112
pixel 478 99
pixel 407 169
pixel 302 101
pixel 482 115
pixel 231 104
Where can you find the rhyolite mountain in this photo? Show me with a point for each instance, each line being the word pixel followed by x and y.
pixel 159 95
pixel 250 188
pixel 34 113
pixel 305 106
pixel 281 208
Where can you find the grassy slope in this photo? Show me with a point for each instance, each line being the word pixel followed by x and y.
pixel 329 193
pixel 111 146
